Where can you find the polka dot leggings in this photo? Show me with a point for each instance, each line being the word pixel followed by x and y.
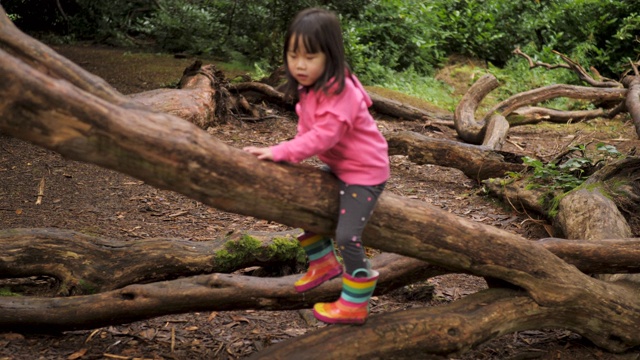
pixel 356 206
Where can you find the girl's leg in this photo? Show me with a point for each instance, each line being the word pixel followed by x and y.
pixel 356 206
pixel 358 281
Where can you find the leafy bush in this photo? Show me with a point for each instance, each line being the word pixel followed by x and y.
pixel 395 35
pixel 601 31
pixel 178 26
pixel 573 172
pixel 383 37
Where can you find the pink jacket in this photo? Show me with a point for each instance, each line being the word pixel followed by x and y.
pixel 342 132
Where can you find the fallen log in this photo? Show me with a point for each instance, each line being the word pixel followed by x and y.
pixel 83 264
pixel 430 332
pixel 466 125
pixel 633 99
pixel 535 96
pixel 528 115
pixel 477 162
pixel 196 99
pixel 216 292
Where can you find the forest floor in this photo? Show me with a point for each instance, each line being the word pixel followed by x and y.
pixel 100 202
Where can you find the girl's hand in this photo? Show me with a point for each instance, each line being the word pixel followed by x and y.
pixel 263 153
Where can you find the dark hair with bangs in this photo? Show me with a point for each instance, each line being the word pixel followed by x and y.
pixel 320 31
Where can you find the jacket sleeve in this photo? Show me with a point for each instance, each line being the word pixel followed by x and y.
pixel 326 132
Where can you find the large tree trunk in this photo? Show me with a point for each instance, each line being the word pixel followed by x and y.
pixel 61 110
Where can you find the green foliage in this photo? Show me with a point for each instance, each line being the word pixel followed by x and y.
pixel 573 172
pixel 179 26
pixel 383 38
pixel 599 30
pixel 229 29
pixel 392 35
pixel 105 21
pixel 424 87
pixel 489 29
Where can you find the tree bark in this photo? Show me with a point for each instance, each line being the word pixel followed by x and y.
pixel 497 128
pixel 432 331
pixel 64 255
pixel 195 100
pixel 592 211
pixel 633 100
pixel 466 125
pixel 116 264
pixel 535 96
pixel 533 115
pixel 217 292
pixel 399 110
pixel 476 162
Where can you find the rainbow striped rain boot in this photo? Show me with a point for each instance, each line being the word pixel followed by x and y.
pixel 323 264
pixel 353 305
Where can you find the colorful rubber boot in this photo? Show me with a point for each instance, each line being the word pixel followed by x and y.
pixel 353 305
pixel 323 264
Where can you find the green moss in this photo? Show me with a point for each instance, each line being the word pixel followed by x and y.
pixel 238 252
pixel 6 291
pixel 554 203
pixel 287 248
pixel 87 287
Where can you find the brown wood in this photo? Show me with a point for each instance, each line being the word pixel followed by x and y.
pixel 533 115
pixel 496 133
pixel 115 263
pixel 194 100
pixel 478 163
pixel 217 292
pixel 633 100
pixel 517 193
pixel 399 110
pixel 597 256
pixel 539 95
pixel 431 332
pixel 466 125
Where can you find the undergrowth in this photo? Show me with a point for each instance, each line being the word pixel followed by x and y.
pixel 559 177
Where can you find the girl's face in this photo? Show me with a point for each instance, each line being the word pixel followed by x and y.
pixel 305 67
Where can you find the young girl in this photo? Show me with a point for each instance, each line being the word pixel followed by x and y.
pixel 334 124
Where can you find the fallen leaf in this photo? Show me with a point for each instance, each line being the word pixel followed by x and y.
pixel 11 336
pixel 77 355
pixel 212 316
pixel 148 333
pixel 239 318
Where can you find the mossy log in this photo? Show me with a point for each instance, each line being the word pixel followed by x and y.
pixel 83 264
pixel 215 292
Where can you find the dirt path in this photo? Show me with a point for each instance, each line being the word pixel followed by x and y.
pixel 97 201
